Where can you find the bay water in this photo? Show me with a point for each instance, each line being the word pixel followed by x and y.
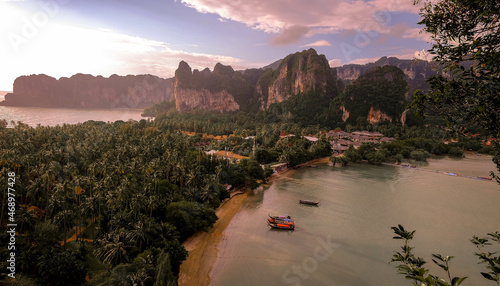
pixel 59 116
pixel 347 239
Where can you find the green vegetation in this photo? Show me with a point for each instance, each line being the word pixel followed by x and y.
pixel 462 32
pixel 413 267
pixel 470 95
pixel 381 88
pixel 418 149
pixel 146 188
pixel 160 108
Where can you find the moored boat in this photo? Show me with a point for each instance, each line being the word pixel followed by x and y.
pixel 485 178
pixel 309 202
pixel 281 222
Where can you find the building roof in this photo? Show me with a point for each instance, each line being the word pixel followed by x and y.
pixel 367 133
pixel 230 155
pixel 311 138
pixel 338 133
pixel 278 165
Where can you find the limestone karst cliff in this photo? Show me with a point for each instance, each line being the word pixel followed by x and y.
pixel 87 91
pixel 300 72
pixel 204 90
pixel 253 89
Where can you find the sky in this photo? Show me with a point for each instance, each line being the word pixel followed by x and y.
pixel 103 37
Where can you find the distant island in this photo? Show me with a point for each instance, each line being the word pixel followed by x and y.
pixel 87 91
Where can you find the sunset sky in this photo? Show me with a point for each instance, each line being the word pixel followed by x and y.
pixel 104 37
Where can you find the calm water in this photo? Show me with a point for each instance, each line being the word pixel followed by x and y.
pixel 358 205
pixel 58 116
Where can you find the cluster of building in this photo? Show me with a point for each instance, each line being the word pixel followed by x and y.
pixel 341 140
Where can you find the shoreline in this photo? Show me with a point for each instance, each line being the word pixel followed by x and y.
pixel 203 247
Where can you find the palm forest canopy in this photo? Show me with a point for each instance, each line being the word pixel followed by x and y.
pixel 134 191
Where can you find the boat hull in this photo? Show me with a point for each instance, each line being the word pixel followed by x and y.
pixel 306 202
pixel 281 222
pixel 285 226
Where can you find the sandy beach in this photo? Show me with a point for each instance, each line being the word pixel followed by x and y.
pixel 203 247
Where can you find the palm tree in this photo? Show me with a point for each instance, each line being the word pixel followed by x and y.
pixel 26 220
pixel 113 249
pixel 65 220
pixel 143 232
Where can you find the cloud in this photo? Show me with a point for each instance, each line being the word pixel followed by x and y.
pixel 335 63
pixel 320 43
pixel 321 16
pixel 290 35
pixel 417 33
pixel 363 61
pixel 62 50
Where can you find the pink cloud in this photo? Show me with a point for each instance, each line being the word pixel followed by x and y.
pixel 320 43
pixel 320 16
pixel 335 63
pixel 290 35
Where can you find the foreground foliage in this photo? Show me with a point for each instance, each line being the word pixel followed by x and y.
pixel 466 45
pixel 413 267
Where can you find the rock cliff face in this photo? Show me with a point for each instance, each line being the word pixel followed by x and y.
pixel 377 116
pixel 203 90
pixel 297 73
pixel 187 99
pixel 87 91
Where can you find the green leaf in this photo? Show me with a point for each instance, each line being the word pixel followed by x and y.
pixel 440 265
pixel 457 281
pixel 488 276
pixel 438 256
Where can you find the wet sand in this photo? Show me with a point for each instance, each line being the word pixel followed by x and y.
pixel 203 247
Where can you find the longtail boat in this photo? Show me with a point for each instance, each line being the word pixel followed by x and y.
pixel 281 222
pixel 308 202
